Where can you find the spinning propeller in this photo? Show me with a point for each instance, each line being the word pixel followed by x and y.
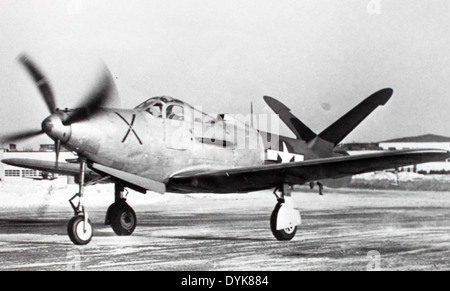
pixel 58 125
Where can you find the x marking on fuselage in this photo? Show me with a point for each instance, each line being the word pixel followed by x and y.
pixel 130 128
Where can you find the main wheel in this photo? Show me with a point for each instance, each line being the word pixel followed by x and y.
pixel 281 234
pixel 80 232
pixel 122 218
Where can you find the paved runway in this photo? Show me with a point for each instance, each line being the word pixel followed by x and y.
pixel 409 231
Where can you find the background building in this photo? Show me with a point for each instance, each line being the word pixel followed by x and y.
pixel 428 141
pixel 45 153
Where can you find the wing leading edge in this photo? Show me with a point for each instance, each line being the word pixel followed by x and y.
pixel 269 176
pixel 266 176
pixel 67 169
pixel 98 174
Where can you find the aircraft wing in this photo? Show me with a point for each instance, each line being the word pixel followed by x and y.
pixel 102 174
pixel 270 176
pixel 67 169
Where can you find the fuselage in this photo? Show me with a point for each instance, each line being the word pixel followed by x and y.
pixel 164 137
pixel 160 145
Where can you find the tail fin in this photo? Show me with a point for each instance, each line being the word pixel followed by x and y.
pixel 336 132
pixel 300 130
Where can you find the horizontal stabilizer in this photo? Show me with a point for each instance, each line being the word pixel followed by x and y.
pixel 300 130
pixel 336 132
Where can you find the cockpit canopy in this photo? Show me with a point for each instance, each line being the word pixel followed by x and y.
pixel 171 108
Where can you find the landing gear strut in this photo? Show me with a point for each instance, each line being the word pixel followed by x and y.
pixel 120 215
pixel 285 218
pixel 80 229
pixel 311 185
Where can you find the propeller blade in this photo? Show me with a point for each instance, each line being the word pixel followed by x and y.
pixel 57 150
pixel 97 99
pixel 20 135
pixel 40 81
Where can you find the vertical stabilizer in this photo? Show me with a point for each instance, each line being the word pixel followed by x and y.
pixel 300 130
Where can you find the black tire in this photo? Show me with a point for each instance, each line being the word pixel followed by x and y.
pixel 108 214
pixel 75 230
pixel 122 218
pixel 282 234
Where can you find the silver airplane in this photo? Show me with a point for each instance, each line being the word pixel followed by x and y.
pixel 165 144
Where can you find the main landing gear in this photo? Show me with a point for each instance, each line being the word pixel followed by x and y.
pixel 120 215
pixel 311 186
pixel 285 218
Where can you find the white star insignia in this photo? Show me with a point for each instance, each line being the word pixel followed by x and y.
pixel 284 156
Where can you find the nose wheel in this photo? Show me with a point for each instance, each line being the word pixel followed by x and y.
pixel 80 229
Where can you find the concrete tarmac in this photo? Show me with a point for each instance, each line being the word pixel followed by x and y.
pixel 346 229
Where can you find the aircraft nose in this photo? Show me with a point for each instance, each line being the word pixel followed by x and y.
pixel 55 129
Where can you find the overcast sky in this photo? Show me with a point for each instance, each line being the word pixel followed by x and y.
pixel 319 57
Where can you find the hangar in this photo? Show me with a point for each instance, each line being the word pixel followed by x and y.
pixel 428 141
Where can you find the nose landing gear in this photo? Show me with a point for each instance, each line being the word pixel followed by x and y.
pixel 80 229
pixel 120 215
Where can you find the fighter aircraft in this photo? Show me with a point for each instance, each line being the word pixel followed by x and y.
pixel 165 144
